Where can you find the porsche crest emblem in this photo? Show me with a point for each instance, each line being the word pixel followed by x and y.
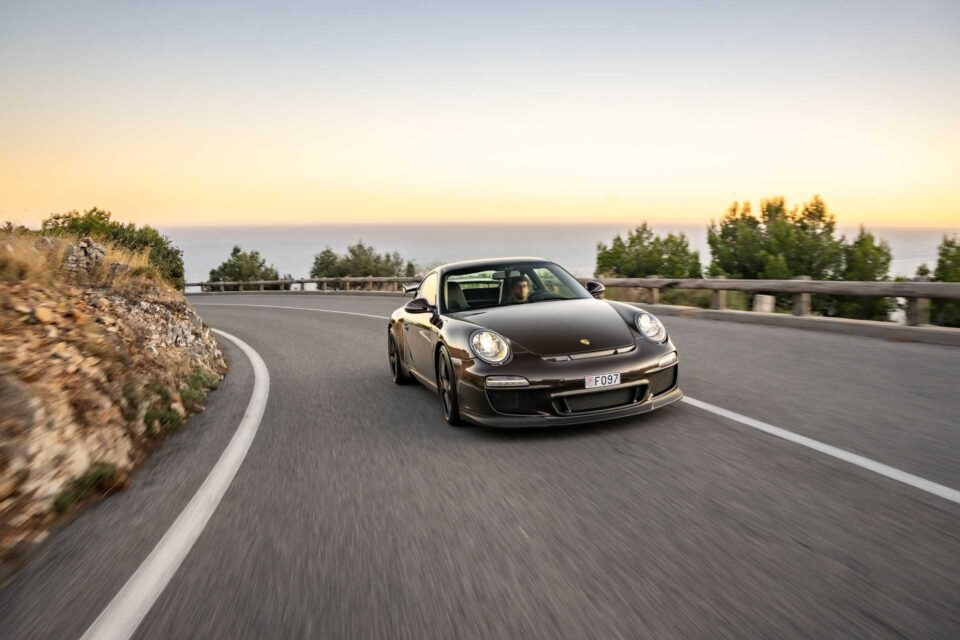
pixel 585 342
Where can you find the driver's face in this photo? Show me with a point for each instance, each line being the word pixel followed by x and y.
pixel 521 290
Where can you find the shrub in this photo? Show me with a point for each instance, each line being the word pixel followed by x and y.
pixel 97 223
pixel 99 478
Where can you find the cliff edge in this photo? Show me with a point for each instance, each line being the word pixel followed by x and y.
pixel 99 358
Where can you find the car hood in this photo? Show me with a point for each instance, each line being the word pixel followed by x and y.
pixel 556 327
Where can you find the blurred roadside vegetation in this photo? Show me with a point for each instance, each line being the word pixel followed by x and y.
pixel 776 243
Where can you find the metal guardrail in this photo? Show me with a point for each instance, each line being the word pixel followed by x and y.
pixel 917 293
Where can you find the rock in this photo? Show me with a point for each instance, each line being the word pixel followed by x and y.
pixel 43 315
pixel 179 409
pixel 83 257
pixel 74 393
pixel 7 487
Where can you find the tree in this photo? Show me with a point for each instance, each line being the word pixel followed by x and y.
pixel 946 312
pixel 244 266
pixel 781 243
pixel 96 223
pixel 867 260
pixel 359 260
pixel 14 229
pixel 644 253
pixel 326 265
pixel 737 244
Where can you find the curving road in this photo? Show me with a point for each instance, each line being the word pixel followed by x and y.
pixel 358 513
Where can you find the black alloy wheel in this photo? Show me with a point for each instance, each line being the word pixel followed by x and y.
pixel 398 372
pixel 447 387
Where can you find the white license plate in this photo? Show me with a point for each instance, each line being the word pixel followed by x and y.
pixel 604 380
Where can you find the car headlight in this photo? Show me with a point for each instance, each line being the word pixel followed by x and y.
pixel 651 328
pixel 490 347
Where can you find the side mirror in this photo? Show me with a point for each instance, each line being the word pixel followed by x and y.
pixel 595 288
pixel 410 289
pixel 417 305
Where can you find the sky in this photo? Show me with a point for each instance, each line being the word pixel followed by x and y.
pixel 369 112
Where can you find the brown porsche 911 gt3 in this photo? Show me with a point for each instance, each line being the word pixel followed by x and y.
pixel 519 342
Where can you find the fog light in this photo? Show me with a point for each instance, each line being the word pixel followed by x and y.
pixel 506 381
pixel 667 360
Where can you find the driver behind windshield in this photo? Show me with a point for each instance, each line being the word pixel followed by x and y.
pixel 520 289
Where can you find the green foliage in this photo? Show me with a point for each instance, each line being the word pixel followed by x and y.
pixel 194 392
pixel 99 478
pixel 946 312
pixel 359 260
pixel 244 266
pixel 864 259
pixel 779 244
pixel 783 243
pixel 164 416
pixel 645 254
pixel 96 223
pixel 11 228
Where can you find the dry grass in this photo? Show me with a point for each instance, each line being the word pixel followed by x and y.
pixel 39 259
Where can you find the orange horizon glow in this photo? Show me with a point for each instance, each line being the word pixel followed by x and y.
pixel 472 117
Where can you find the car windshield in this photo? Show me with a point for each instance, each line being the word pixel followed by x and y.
pixel 501 285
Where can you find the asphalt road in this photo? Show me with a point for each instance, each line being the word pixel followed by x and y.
pixel 358 513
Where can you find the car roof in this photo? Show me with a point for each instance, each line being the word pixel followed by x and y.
pixel 490 262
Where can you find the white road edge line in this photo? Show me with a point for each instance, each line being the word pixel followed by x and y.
pixel 886 471
pixel 893 473
pixel 120 619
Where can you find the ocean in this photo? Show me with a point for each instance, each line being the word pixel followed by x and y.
pixel 291 248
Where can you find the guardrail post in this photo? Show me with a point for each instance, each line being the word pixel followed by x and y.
pixel 221 285
pixel 261 286
pixel 718 297
pixel 369 286
pixel 801 301
pixel 918 309
pixel 653 294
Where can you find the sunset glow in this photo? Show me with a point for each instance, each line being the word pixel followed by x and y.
pixel 565 113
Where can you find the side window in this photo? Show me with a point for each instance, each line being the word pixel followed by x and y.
pixel 428 289
pixel 551 282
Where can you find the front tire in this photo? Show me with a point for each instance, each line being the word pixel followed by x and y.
pixel 398 371
pixel 447 388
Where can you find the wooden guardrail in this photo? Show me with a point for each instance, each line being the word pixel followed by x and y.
pixel 918 293
pixel 346 283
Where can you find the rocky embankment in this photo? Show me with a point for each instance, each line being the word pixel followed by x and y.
pixel 97 361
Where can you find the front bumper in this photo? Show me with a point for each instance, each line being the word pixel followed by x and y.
pixel 494 419
pixel 557 396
